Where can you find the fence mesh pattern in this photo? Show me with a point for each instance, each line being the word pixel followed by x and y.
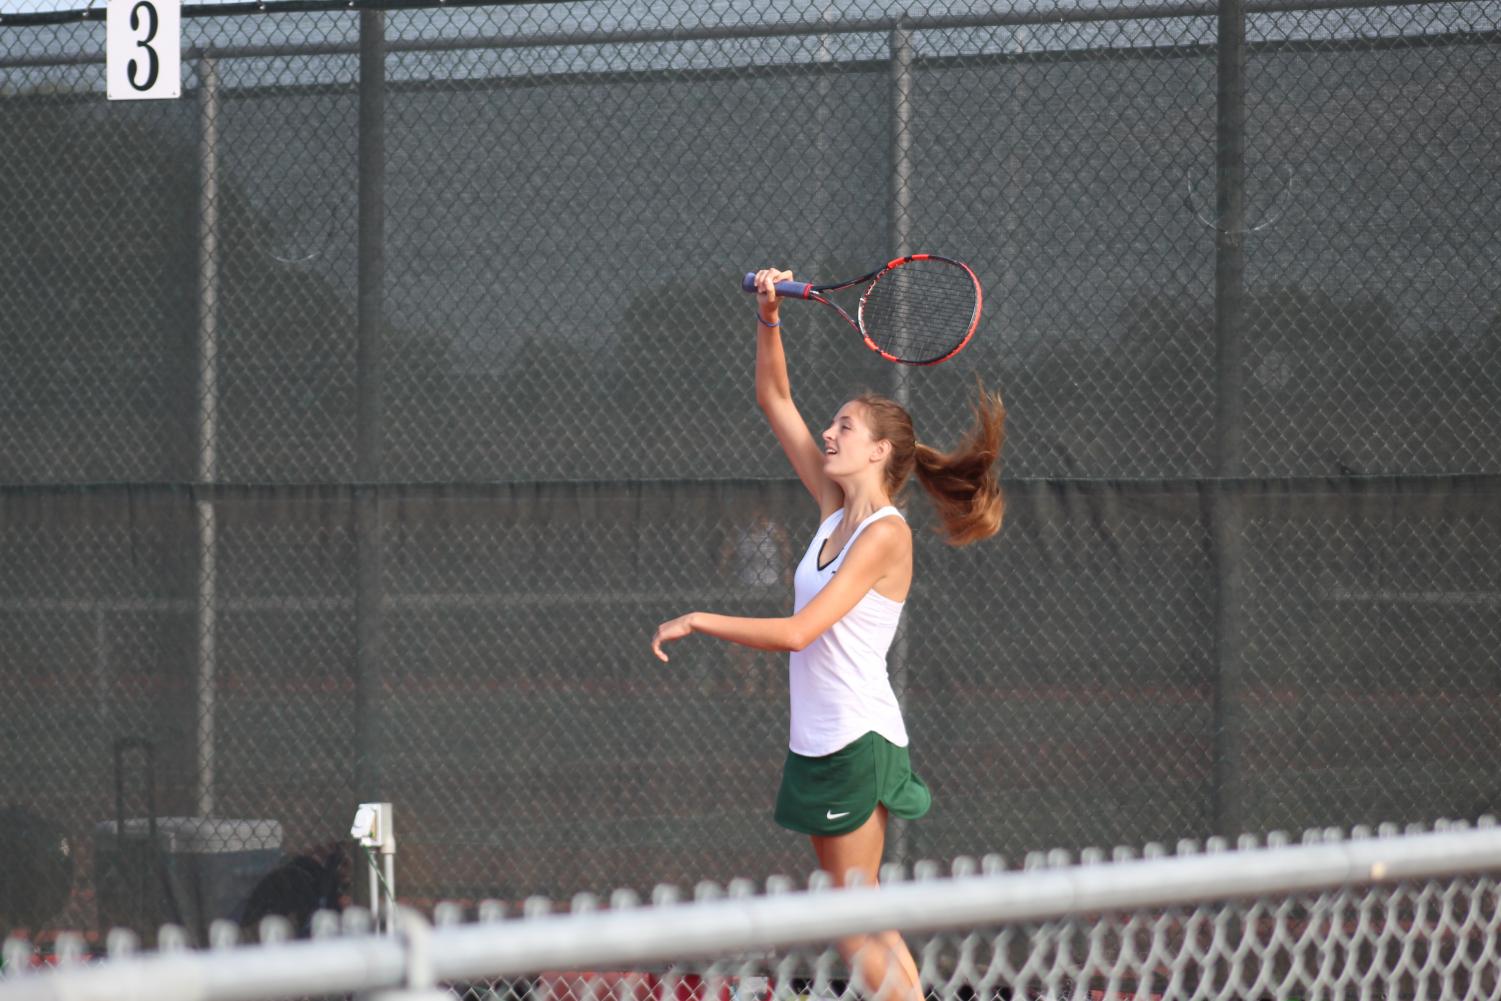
pixel 357 462
pixel 1434 939
pixel 1351 931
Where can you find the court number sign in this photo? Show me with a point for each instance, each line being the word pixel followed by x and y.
pixel 143 41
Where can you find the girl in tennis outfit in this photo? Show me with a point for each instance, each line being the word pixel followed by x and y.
pixel 847 766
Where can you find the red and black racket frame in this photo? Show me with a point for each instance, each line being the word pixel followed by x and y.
pixel 807 290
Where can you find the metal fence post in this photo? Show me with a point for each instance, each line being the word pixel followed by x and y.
pixel 369 648
pixel 901 142
pixel 1226 514
pixel 900 839
pixel 208 427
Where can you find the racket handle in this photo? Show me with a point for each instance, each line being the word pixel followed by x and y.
pixel 790 290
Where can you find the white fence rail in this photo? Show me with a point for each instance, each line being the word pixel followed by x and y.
pixel 1377 923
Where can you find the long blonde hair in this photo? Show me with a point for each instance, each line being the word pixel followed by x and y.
pixel 961 483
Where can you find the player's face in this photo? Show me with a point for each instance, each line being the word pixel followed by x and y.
pixel 848 445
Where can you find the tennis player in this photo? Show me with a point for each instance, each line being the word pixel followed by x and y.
pixel 847 766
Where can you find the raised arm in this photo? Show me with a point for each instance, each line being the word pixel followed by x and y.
pixel 774 395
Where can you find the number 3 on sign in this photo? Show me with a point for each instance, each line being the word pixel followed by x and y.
pixel 143 49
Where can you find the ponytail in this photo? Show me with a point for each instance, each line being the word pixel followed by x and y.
pixel 961 483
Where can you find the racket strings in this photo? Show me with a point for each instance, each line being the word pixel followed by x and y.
pixel 921 311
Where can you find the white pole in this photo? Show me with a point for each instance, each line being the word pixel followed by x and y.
pixel 388 858
pixel 374 896
pixel 387 849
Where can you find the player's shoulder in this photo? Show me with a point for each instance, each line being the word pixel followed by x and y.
pixel 889 531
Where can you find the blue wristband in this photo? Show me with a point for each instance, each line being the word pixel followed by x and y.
pixel 763 322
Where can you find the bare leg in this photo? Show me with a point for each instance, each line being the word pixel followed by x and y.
pixel 885 963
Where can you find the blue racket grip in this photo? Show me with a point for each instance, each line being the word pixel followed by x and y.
pixel 790 290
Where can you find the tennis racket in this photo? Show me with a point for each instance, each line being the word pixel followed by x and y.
pixel 917 310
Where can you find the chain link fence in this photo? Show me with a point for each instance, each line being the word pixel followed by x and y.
pixel 1432 939
pixel 367 407
pixel 1411 916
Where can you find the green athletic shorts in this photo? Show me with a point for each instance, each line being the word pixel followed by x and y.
pixel 838 792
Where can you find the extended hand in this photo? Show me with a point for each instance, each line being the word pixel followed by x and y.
pixel 766 290
pixel 669 631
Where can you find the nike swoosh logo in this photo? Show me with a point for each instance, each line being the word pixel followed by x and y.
pixel 831 815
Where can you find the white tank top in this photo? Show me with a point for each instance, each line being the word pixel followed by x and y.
pixel 840 689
